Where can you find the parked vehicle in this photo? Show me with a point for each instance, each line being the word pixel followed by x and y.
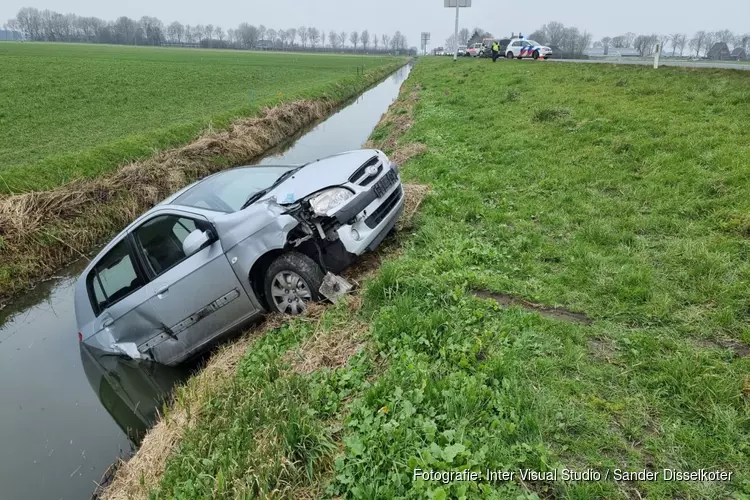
pixel 522 48
pixel 502 42
pixel 217 254
pixel 462 50
pixel 475 50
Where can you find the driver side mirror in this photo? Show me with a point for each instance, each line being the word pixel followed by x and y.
pixel 196 241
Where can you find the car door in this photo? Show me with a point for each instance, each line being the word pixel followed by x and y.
pixel 515 47
pixel 526 49
pixel 196 297
pixel 124 316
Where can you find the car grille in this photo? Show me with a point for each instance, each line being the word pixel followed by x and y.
pixel 383 210
pixel 361 178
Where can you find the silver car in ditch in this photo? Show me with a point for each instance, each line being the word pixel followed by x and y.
pixel 216 255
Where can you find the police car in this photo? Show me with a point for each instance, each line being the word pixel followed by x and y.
pixel 521 48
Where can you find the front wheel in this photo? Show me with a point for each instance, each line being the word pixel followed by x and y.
pixel 292 281
pixel 536 54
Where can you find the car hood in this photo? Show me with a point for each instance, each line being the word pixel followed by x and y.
pixel 321 174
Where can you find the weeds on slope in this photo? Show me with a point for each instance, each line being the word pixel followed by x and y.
pixel 627 209
pixel 620 203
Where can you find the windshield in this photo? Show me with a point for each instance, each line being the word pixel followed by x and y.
pixel 228 191
pixel 532 42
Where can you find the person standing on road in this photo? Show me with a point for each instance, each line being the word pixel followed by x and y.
pixel 495 51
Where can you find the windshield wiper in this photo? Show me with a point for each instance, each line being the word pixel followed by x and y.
pixel 255 197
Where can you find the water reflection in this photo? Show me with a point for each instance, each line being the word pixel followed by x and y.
pixel 131 391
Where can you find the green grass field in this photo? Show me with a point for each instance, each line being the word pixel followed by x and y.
pixel 73 111
pixel 616 192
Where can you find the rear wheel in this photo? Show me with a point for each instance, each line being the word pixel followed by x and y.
pixel 509 55
pixel 292 281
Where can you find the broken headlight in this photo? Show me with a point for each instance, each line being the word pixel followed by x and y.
pixel 324 202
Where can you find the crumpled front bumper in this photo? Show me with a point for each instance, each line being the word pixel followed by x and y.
pixel 366 220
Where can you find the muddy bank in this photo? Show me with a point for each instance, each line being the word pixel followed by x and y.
pixel 43 231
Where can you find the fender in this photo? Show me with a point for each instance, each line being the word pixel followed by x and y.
pixel 269 228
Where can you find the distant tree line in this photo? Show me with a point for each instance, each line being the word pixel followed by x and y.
pixel 566 41
pixel 698 45
pixel 463 39
pixel 50 26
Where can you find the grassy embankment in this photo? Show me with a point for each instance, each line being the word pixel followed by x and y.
pixel 100 107
pixel 618 193
pixel 75 111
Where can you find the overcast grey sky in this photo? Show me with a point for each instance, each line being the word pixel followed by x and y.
pixel 414 16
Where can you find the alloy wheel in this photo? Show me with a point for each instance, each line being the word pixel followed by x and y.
pixel 290 293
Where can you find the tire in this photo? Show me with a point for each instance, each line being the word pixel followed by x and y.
pixel 292 280
pixel 509 55
pixel 536 55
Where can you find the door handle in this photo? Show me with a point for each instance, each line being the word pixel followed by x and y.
pixel 108 322
pixel 162 289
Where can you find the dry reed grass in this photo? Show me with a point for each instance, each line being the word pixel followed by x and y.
pixel 329 347
pixel 414 195
pixel 404 153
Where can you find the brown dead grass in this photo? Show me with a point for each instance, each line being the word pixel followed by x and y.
pixel 402 154
pixel 397 121
pixel 414 195
pixel 329 347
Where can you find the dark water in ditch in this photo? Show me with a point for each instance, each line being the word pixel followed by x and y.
pixel 66 415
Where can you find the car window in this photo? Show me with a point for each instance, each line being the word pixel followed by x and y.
pixel 517 44
pixel 113 278
pixel 227 191
pixel 532 42
pixel 161 240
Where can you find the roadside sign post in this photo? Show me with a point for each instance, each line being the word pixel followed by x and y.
pixel 656 56
pixel 425 41
pixel 457 4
